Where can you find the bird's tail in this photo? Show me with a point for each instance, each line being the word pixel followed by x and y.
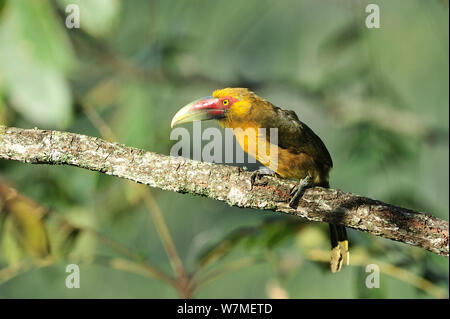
pixel 339 245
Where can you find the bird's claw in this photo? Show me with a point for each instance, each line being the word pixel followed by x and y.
pixel 261 171
pixel 298 191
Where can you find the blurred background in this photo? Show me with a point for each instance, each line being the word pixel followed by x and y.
pixel 378 98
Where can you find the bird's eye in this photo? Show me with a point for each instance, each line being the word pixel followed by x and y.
pixel 225 102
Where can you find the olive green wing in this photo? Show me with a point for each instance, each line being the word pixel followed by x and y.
pixel 296 136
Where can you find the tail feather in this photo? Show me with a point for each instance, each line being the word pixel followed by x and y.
pixel 336 256
pixel 343 244
pixel 339 247
pixel 339 243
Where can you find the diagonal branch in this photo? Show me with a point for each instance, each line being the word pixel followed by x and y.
pixel 225 183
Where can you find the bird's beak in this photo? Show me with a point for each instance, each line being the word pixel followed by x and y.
pixel 199 110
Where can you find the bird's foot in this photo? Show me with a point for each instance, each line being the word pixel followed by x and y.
pixel 299 190
pixel 261 171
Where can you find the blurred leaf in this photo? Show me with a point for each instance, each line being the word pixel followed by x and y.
pixel 274 233
pixel 98 17
pixel 34 80
pixel 27 219
pixel 268 235
pixel 41 33
pixel 12 252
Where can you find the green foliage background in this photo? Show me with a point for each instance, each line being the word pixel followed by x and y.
pixel 377 97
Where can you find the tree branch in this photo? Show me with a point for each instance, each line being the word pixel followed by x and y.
pixel 225 183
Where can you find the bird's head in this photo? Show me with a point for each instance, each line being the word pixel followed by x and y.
pixel 230 106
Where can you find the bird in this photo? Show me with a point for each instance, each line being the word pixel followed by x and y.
pixel 300 154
